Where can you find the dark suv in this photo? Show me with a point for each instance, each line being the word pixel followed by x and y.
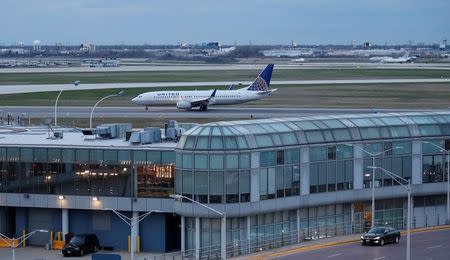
pixel 380 236
pixel 81 244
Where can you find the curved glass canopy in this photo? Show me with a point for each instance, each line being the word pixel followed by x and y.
pixel 262 133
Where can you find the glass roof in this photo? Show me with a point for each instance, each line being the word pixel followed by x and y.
pixel 248 134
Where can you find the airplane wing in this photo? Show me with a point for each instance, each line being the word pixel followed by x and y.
pixel 205 101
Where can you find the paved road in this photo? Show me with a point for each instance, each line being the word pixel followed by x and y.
pixel 433 245
pixel 30 88
pixel 190 67
pixel 172 112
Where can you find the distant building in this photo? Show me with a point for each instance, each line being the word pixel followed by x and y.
pixel 36 45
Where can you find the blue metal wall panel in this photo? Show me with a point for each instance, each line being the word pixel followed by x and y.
pixel 81 221
pixel 21 220
pixel 153 233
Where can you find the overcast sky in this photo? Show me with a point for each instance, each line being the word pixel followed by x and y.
pixel 228 21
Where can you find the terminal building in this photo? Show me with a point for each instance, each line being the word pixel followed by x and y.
pixel 276 181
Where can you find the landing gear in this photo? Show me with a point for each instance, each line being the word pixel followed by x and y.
pixel 146 107
pixel 203 107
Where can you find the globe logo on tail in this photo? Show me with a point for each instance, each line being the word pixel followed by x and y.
pixel 259 85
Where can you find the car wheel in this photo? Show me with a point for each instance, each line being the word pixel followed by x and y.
pixel 363 244
pixel 382 242
pixel 397 239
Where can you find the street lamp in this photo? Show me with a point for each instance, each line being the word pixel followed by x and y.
pixel 133 222
pixel 120 93
pixel 408 189
pixel 373 155
pixel 223 234
pixel 20 240
pixel 448 177
pixel 76 83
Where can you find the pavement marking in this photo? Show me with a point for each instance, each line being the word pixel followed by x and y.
pixel 336 243
pixel 330 256
pixel 379 258
pixel 432 247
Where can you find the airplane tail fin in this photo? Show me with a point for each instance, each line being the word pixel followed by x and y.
pixel 262 82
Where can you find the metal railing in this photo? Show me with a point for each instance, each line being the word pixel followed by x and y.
pixel 268 242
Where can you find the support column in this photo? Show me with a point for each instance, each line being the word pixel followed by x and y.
pixel 134 231
pixel 65 222
pixel 197 238
pixel 183 234
pixel 223 237
pixel 248 234
pixel 298 226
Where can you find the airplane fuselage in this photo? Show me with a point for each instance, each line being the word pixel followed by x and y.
pixel 222 97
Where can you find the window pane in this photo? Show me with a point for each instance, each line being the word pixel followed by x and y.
pixel 292 156
pixel 232 185
pixel 110 156
pixel 201 161
pixel 167 157
pixel 187 161
pixel 267 158
pixel 124 157
pixel 230 143
pixel 318 153
pixel 68 155
pixel 216 161
pixel 140 157
pixel 263 140
pixel 82 156
pixel 244 160
pixel 202 142
pixel 26 154
pixel 232 161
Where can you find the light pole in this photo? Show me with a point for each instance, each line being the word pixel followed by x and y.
pixel 447 221
pixel 76 83
pixel 133 222
pixel 223 226
pixel 408 224
pixel 373 155
pixel 98 102
pixel 20 240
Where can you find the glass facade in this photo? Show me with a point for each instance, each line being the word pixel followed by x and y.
pixel 100 172
pixel 214 177
pixel 331 168
pixel 434 161
pixel 396 159
pixel 279 174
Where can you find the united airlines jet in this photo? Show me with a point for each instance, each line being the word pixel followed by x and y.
pixel 187 100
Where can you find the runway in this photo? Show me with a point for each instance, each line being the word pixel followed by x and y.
pixel 30 88
pixel 172 112
pixel 206 67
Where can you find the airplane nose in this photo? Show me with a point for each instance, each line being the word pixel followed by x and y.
pixel 134 100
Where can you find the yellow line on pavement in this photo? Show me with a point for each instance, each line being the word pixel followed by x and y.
pixel 337 243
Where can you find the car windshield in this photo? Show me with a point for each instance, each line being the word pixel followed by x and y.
pixel 376 231
pixel 77 240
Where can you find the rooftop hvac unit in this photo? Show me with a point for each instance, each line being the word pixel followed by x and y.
pixel 58 134
pixel 135 138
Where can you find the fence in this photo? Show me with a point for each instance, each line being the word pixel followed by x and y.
pixel 262 243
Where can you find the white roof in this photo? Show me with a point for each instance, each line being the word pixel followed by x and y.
pixel 39 136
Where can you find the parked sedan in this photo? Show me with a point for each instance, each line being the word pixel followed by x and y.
pixel 380 236
pixel 81 244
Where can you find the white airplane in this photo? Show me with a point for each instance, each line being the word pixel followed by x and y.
pixel 403 59
pixel 189 99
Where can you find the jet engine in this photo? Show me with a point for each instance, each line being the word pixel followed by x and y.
pixel 184 105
